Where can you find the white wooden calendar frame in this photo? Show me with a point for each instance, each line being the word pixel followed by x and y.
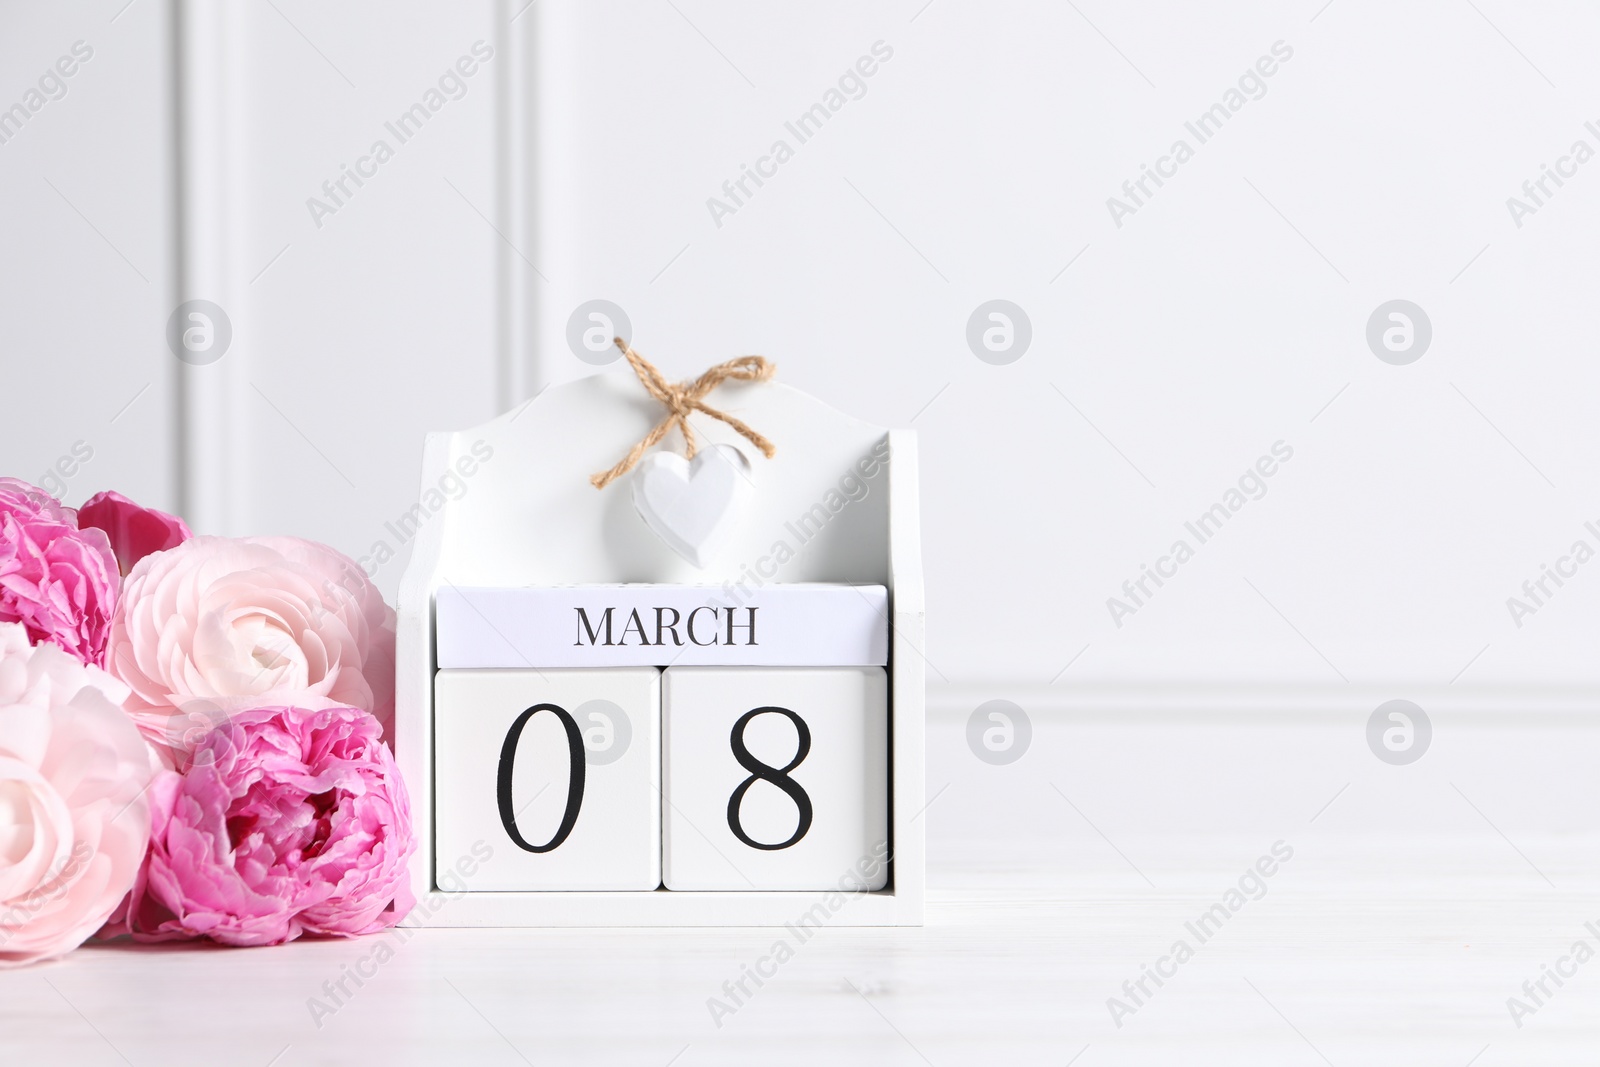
pixel 508 503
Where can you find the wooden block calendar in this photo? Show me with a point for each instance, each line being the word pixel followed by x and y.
pixel 596 732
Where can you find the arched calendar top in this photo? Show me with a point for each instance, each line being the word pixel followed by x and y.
pixel 528 515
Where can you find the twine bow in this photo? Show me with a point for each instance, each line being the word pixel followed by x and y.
pixel 681 400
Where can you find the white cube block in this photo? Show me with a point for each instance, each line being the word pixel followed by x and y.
pixel 775 778
pixel 555 773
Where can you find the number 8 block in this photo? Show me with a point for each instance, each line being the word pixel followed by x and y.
pixel 775 778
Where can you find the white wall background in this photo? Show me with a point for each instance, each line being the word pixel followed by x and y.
pixel 1167 355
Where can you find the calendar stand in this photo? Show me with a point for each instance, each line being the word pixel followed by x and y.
pixel 509 504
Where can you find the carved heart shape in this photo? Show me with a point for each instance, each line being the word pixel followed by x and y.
pixel 696 505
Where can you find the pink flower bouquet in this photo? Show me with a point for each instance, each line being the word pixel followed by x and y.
pixel 225 776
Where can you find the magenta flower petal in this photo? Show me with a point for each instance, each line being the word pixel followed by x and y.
pixel 134 532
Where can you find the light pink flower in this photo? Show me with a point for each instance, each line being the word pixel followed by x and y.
pixel 217 625
pixel 58 581
pixel 135 532
pixel 74 821
pixel 288 821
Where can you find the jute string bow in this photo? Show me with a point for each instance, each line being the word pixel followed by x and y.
pixel 683 399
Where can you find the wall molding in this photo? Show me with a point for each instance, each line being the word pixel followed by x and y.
pixel 515 202
pixel 1224 699
pixel 208 63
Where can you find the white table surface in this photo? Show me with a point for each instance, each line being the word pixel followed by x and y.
pixel 1407 917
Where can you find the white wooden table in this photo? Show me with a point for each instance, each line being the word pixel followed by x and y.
pixel 1406 918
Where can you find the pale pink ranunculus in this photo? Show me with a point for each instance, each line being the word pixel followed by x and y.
pixel 217 625
pixel 134 531
pixel 58 581
pixel 74 819
pixel 288 821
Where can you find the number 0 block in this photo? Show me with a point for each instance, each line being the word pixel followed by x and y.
pixel 775 778
pixel 557 772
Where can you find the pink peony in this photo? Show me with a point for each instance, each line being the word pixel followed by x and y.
pixel 74 820
pixel 288 821
pixel 58 581
pixel 217 625
pixel 17 495
pixel 135 532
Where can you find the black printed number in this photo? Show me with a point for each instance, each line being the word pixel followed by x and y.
pixel 508 762
pixel 778 776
